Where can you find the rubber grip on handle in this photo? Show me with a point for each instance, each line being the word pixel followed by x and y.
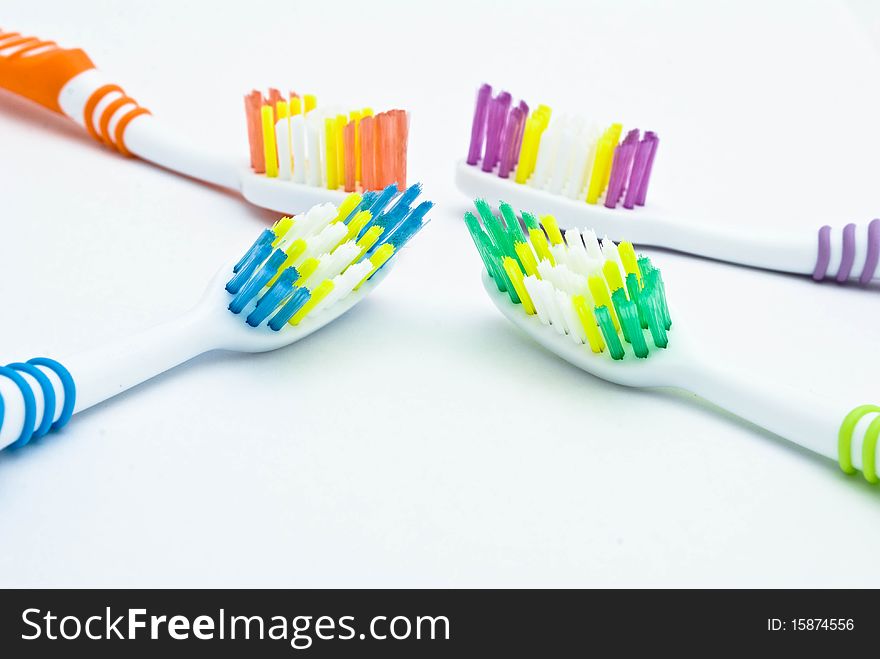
pixel 39 76
pixel 35 424
pixel 869 441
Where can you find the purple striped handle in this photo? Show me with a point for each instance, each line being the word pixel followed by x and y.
pixel 848 253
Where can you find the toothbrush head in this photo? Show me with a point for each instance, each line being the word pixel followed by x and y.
pixel 608 302
pixel 566 166
pixel 313 266
pixel 295 145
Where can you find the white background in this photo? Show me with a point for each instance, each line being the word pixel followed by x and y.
pixel 420 441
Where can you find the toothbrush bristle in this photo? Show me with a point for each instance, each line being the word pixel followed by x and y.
pixel 566 157
pixel 309 262
pixel 292 139
pixel 573 282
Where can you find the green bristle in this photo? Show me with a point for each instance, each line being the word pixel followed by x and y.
pixel 618 297
pixel 529 219
pixel 629 323
pixel 514 230
pixel 606 326
pixel 651 276
pixel 635 294
pixel 476 231
pixel 495 229
pixel 493 261
pixel 654 315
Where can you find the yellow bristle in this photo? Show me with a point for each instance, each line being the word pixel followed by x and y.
pixel 340 147
pixel 527 258
pixel 542 249
pixel 525 152
pixel 368 240
pixel 601 297
pixel 378 259
pixel 536 123
pixel 588 321
pixel 280 229
pixel 355 116
pixel 604 153
pixel 629 259
pixel 357 224
pixel 310 102
pixel 330 153
pixel 282 110
pixel 269 151
pixel 296 106
pixel 516 278
pixel 347 206
pixel 306 270
pixel 318 293
pixel 614 139
pixel 367 112
pixel 552 229
pixel 612 275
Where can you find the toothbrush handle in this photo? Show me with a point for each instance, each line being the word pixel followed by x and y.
pixel 67 82
pixel 848 254
pixel 41 395
pixel 835 430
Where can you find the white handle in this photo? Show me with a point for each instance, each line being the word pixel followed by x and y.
pixel 808 420
pixel 140 134
pixel 103 372
pixel 851 253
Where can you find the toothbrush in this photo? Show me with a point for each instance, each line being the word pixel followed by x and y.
pixel 588 177
pixel 604 309
pixel 301 274
pixel 67 82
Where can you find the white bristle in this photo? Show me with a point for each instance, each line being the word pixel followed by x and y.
pixel 591 243
pixel 282 140
pixel 553 310
pixel 325 240
pixel 610 252
pixel 572 323
pixel 344 283
pixel 314 220
pixel 332 264
pixel 298 139
pixel 534 287
pixel 313 170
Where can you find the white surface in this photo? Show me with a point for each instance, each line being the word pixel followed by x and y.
pixel 461 453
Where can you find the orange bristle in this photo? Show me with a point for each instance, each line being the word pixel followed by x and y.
pixel 380 138
pixel 252 104
pixel 274 97
pixel 367 152
pixel 402 143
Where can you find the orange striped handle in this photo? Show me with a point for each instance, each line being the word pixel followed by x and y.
pixel 38 76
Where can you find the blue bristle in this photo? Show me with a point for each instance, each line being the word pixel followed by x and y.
pixel 253 287
pixel 248 267
pixel 402 206
pixel 400 235
pixel 300 296
pixel 273 297
pixel 267 237
pixel 382 200
pixel 366 201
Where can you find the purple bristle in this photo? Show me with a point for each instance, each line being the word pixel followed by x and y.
pixel 517 140
pixel 515 122
pixel 498 108
pixel 652 140
pixel 621 168
pixel 478 128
